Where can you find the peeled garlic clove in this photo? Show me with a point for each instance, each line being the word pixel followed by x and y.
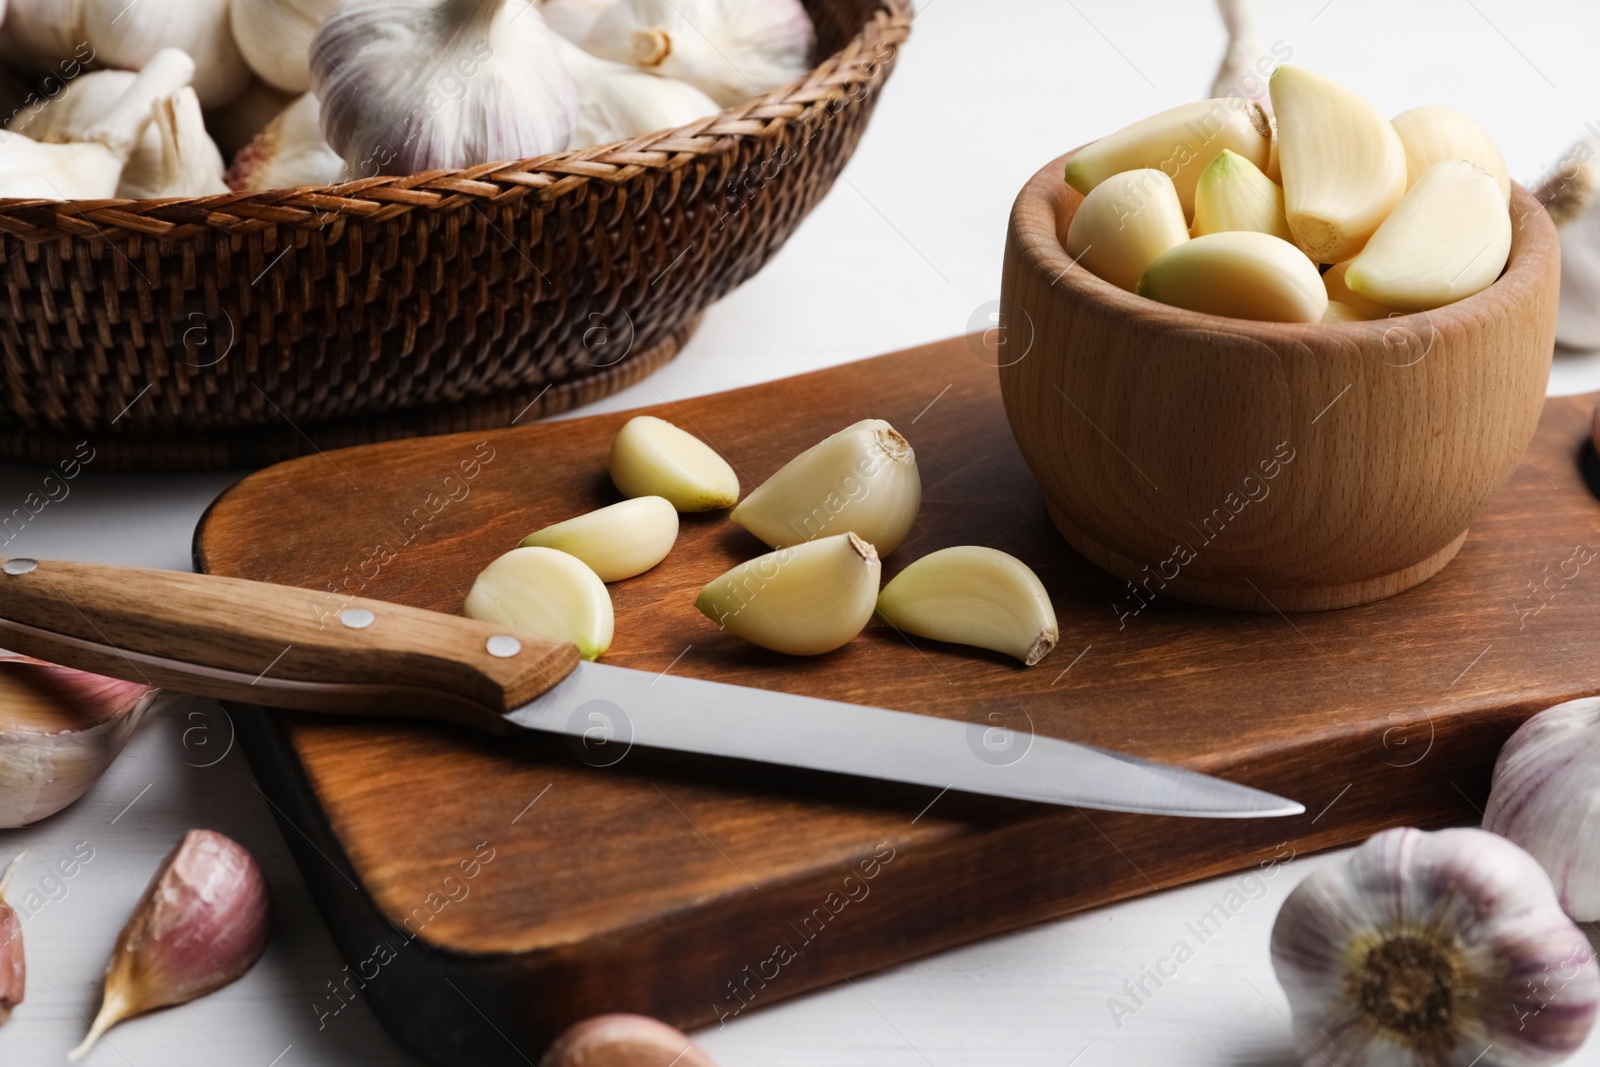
pixel 862 479
pixel 729 51
pixel 1570 198
pixel 190 162
pixel 1339 291
pixel 803 600
pixel 496 91
pixel 546 593
pixel 1124 223
pixel 976 596
pixel 202 922
pixel 652 457
pixel 274 37
pixel 13 964
pixel 1241 273
pixel 1431 948
pixel 1545 796
pixel 1338 312
pixel 128 35
pixel 617 101
pixel 1180 142
pixel 616 542
pixel 289 153
pixel 1233 194
pixel 1434 135
pixel 1449 238
pixel 59 730
pixel 624 1041
pixel 1344 168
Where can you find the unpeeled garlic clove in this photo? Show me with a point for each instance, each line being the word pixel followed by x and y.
pixel 274 37
pixel 617 101
pixel 615 542
pixel 1545 796
pixel 1124 223
pixel 1433 135
pixel 1180 141
pixel 624 1041
pixel 237 123
pixel 1234 194
pixel 803 600
pixel 190 162
pixel 1344 168
pixel 970 595
pixel 862 479
pixel 289 153
pixel 202 922
pixel 13 963
pixel 1447 239
pixel 128 35
pixel 546 593
pixel 1433 949
pixel 652 457
pixel 1339 291
pixel 1242 274
pixel 1569 196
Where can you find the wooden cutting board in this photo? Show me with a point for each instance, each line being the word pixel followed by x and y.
pixel 487 893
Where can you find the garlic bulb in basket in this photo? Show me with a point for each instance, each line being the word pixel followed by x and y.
pixel 1546 798
pixel 730 49
pixel 275 37
pixel 616 101
pixel 1570 198
pixel 290 152
pixel 30 170
pixel 413 85
pixel 127 35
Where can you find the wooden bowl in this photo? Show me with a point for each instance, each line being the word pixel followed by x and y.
pixel 1261 465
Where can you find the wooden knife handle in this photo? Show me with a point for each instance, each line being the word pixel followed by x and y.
pixel 272 644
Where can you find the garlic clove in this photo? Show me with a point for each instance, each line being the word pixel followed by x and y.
pixel 1339 291
pixel 862 479
pixel 1124 223
pixel 1449 238
pixel 13 964
pixel 1341 312
pixel 1570 198
pixel 803 600
pixel 652 457
pixel 546 593
pixel 729 51
pixel 1545 797
pixel 190 162
pixel 59 730
pixel 1241 273
pixel 237 123
pixel 1180 141
pixel 617 101
pixel 624 1041
pixel 1234 194
pixel 1433 135
pixel 289 153
pixel 274 37
pixel 1344 168
pixel 615 542
pixel 202 922
pixel 970 595
pixel 128 35
pixel 495 88
pixel 1431 948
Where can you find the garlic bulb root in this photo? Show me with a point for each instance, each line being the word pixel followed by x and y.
pixel 803 600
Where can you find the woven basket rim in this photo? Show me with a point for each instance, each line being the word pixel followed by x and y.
pixel 554 172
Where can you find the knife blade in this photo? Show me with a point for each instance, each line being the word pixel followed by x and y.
pixel 281 646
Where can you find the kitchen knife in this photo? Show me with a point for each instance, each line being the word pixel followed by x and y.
pixel 285 647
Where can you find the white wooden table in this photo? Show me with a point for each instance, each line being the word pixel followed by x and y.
pixel 905 249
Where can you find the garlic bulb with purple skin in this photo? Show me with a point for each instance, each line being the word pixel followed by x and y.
pixel 624 1041
pixel 1436 950
pixel 1569 196
pixel 202 922
pixel 13 966
pixel 1545 797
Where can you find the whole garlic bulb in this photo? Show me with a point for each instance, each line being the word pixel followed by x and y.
pixel 290 152
pixel 275 38
pixel 1570 198
pixel 616 101
pixel 127 35
pixel 730 49
pixel 1546 797
pixel 415 85
pixel 1434 949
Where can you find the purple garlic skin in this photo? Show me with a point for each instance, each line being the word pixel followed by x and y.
pixel 13 966
pixel 1434 949
pixel 624 1041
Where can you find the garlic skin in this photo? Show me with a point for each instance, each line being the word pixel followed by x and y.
pixel 624 1041
pixel 274 37
pixel 572 19
pixel 290 152
pixel 13 963
pixel 1433 949
pixel 33 171
pixel 732 50
pixel 59 730
pixel 203 921
pixel 803 600
pixel 971 595
pixel 1234 194
pixel 546 593
pixel 414 85
pixel 615 542
pixel 652 457
pixel 617 101
pixel 1242 274
pixel 128 36
pixel 1432 135
pixel 190 163
pixel 862 479
pixel 1124 223
pixel 1545 796
pixel 1570 198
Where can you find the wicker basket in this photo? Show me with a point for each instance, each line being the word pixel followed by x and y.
pixel 243 329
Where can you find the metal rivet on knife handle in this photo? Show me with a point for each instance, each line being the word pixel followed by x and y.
pixel 503 646
pixel 357 618
pixel 20 565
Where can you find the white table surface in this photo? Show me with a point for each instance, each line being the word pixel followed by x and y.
pixel 905 249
